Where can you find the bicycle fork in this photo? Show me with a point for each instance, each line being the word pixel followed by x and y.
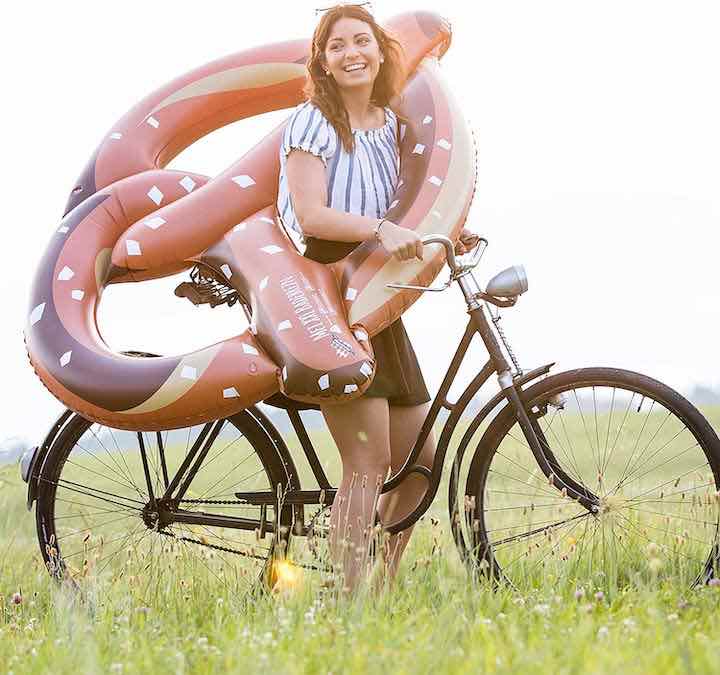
pixel 534 435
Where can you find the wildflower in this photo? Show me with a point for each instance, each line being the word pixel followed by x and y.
pixel 599 596
pixel 17 598
pixel 603 632
pixel 672 617
pixel 542 609
pixel 579 593
pixel 714 582
pixel 655 564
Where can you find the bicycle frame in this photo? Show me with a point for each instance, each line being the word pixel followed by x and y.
pixel 164 509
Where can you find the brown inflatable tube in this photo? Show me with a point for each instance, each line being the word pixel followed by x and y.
pixel 127 219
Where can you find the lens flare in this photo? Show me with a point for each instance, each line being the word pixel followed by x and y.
pixel 285 576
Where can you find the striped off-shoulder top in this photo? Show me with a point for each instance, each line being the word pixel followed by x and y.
pixel 361 182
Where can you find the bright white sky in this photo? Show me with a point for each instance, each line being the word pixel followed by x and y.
pixel 599 170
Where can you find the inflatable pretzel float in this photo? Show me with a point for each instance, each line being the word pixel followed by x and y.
pixel 128 219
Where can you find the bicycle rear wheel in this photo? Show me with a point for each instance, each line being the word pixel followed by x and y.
pixel 100 513
pixel 648 455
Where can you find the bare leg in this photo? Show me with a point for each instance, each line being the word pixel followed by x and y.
pixel 405 424
pixel 361 430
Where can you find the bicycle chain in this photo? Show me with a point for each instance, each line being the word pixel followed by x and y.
pixel 217 547
pixel 226 549
pixel 225 502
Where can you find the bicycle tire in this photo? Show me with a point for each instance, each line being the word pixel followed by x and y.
pixel 103 457
pixel 523 531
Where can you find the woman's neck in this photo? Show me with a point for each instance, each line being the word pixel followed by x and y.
pixel 358 106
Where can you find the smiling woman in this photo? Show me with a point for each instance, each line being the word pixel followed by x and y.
pixel 340 169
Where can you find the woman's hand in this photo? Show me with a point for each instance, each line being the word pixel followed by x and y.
pixel 404 244
pixel 466 241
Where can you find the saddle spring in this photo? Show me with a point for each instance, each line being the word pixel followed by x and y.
pixel 207 287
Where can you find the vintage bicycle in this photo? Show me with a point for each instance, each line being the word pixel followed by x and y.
pixel 595 476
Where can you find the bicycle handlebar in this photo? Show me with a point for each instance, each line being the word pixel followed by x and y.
pixel 452 262
pixel 456 269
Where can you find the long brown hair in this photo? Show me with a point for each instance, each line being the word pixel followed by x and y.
pixel 322 90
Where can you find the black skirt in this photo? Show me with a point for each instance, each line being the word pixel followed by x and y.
pixel 398 377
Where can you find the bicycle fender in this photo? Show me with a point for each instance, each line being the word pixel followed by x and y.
pixel 479 418
pixel 33 460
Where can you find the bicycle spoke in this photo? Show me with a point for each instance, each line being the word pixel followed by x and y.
pixel 653 476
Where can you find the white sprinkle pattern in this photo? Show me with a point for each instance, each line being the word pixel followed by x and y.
pixel 188 184
pixel 155 194
pixel 188 373
pixel 271 249
pixel 65 274
pixel 37 313
pixel 154 222
pixel 243 181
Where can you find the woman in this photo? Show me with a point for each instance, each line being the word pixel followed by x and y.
pixel 339 170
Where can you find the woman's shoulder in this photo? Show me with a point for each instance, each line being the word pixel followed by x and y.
pixel 307 111
pixel 308 129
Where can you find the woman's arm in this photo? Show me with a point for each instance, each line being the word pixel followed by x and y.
pixel 307 183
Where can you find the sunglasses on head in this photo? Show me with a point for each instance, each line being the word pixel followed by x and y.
pixel 369 5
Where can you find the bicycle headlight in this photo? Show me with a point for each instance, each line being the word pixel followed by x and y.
pixel 509 283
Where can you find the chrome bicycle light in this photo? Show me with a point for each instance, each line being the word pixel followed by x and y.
pixel 509 283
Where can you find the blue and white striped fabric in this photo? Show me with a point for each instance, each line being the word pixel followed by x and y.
pixel 361 182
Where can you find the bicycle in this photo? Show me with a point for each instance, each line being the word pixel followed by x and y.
pixel 639 502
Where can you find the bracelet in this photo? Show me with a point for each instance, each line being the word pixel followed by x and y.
pixel 376 231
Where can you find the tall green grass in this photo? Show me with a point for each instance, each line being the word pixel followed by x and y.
pixel 172 618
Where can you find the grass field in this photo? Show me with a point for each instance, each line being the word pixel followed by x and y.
pixel 158 608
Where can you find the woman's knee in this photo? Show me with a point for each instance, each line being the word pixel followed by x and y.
pixel 361 430
pixel 366 459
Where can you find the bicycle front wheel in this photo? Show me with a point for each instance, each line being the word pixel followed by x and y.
pixel 103 510
pixel 645 452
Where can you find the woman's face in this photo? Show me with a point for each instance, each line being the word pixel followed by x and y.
pixel 352 54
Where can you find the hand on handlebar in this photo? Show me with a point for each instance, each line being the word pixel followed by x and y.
pixel 466 242
pixel 400 242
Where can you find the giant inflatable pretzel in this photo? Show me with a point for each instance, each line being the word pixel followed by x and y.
pixel 128 219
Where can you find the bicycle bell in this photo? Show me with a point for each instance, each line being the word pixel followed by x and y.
pixel 509 283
